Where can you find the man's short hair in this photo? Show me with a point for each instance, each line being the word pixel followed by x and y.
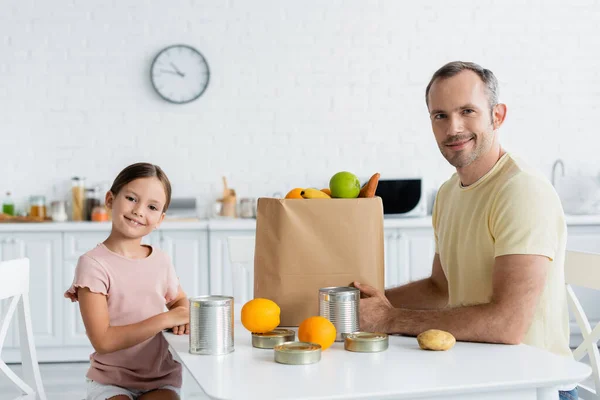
pixel 454 67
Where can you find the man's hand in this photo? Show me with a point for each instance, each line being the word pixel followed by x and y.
pixel 375 309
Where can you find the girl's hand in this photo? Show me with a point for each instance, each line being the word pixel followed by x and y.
pixel 178 316
pixel 181 329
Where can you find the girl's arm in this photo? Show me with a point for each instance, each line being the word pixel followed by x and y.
pixel 106 338
pixel 180 301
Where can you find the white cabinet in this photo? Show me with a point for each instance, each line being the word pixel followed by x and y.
pixel 44 253
pixel 221 273
pixel 189 252
pixel 408 255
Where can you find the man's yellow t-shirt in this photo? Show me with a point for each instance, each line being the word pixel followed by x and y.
pixel 510 210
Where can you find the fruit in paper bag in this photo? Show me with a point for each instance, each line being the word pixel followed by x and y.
pixel 326 191
pixel 434 339
pixel 260 315
pixel 344 185
pixel 311 193
pixel 294 194
pixel 317 330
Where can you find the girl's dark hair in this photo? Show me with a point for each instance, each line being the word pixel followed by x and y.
pixel 142 170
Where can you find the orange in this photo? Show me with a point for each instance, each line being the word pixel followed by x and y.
pixel 317 330
pixel 260 315
pixel 327 191
pixel 294 194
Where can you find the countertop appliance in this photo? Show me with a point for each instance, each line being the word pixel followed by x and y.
pixel 403 197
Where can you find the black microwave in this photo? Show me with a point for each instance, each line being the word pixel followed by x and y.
pixel 402 197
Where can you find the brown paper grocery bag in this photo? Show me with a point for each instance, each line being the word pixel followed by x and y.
pixel 305 245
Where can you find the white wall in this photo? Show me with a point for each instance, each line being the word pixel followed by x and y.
pixel 299 89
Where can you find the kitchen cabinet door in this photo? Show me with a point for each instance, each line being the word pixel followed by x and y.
pixel 188 250
pixel 396 270
pixel 420 249
pixel 45 257
pixel 408 255
pixel 221 271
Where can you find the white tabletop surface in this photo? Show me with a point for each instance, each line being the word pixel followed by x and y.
pixel 402 371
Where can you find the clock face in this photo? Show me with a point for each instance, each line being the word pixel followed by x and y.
pixel 179 74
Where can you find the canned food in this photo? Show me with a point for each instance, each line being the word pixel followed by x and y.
pixel 340 306
pixel 211 325
pixel 297 353
pixel 366 342
pixel 271 339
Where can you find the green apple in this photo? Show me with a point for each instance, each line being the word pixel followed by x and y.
pixel 344 185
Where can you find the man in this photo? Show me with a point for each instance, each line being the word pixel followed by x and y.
pixel 500 234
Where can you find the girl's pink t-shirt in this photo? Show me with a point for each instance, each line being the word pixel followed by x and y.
pixel 135 289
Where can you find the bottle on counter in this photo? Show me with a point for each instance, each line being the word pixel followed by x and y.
pixel 8 207
pixel 78 198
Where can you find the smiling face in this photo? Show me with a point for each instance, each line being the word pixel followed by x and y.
pixel 137 209
pixel 461 118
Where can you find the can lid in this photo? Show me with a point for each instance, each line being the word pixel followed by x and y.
pixel 277 332
pixel 366 341
pixel 210 301
pixel 339 293
pixel 271 339
pixel 298 347
pixel 297 353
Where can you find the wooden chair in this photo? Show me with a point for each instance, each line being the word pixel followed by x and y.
pixel 14 285
pixel 583 269
pixel 241 256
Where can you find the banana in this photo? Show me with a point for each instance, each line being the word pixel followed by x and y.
pixel 311 193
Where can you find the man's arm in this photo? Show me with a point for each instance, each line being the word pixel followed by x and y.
pixel 518 281
pixel 426 294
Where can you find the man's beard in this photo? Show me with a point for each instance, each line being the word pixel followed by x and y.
pixel 464 158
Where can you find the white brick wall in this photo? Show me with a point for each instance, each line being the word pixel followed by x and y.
pixel 299 90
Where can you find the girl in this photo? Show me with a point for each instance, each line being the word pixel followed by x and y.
pixel 123 286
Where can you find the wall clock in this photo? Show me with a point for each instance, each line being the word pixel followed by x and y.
pixel 179 74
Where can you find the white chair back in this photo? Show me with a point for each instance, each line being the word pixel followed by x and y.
pixel 14 285
pixel 583 269
pixel 241 256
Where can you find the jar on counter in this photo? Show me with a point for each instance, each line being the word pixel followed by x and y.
pixel 99 214
pixel 58 211
pixel 92 200
pixel 247 208
pixel 37 206
pixel 78 195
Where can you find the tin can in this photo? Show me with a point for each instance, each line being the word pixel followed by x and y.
pixel 340 306
pixel 211 325
pixel 274 338
pixel 297 353
pixel 366 342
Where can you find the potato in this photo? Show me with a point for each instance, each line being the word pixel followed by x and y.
pixel 434 339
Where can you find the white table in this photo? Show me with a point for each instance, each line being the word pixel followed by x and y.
pixel 468 371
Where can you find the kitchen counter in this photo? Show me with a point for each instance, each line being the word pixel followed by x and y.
pixel 228 224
